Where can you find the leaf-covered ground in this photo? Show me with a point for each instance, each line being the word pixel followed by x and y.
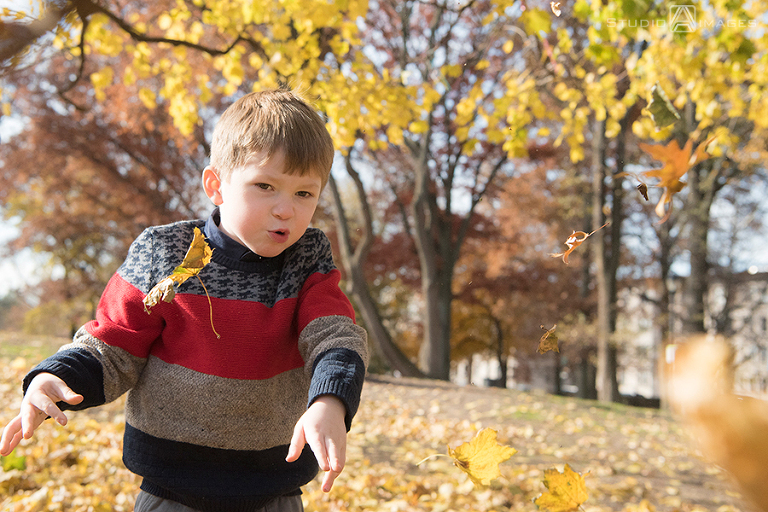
pixel 636 459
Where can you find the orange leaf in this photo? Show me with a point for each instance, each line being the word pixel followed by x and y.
pixel 677 162
pixel 548 341
pixel 566 491
pixel 575 240
pixel 480 458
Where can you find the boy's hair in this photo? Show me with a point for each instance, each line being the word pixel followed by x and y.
pixel 269 121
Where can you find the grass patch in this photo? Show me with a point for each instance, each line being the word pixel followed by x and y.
pixel 32 347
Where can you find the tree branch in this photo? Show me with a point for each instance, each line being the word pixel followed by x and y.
pixel 15 37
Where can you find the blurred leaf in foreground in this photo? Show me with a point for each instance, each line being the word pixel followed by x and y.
pixel 662 112
pixel 677 162
pixel 729 429
pixel 13 461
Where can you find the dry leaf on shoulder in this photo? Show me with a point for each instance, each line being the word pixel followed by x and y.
pixel 198 256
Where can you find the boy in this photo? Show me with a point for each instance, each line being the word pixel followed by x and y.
pixel 240 422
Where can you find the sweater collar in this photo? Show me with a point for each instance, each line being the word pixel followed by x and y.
pixel 234 255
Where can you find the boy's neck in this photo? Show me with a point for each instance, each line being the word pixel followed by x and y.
pixel 228 247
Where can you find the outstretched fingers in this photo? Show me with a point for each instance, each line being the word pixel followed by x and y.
pixel 334 461
pixel 11 437
pixel 32 416
pixel 38 404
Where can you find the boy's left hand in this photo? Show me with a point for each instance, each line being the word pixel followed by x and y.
pixel 322 428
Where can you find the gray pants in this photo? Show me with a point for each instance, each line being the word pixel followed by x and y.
pixel 149 503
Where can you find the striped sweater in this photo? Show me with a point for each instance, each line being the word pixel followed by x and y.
pixel 209 421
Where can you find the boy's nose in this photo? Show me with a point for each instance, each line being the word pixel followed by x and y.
pixel 282 209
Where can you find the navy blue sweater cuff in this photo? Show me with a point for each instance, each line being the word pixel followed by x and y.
pixel 339 372
pixel 80 370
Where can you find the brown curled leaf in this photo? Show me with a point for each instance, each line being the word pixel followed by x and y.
pixel 548 341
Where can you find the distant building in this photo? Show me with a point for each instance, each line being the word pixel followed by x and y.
pixel 738 310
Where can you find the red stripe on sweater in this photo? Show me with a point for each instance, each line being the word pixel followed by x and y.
pixel 321 296
pixel 257 342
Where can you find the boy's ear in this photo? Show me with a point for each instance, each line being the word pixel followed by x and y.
pixel 212 185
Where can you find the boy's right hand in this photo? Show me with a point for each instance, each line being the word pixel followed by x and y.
pixel 38 404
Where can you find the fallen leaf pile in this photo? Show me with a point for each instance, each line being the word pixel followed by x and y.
pixel 633 459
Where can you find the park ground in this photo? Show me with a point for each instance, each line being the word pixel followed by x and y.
pixel 633 459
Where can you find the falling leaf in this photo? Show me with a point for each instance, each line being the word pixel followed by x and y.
pixel 565 491
pixel 548 340
pixel 576 239
pixel 643 189
pixel 198 256
pixel 662 112
pixel 676 162
pixel 555 6
pixel 480 458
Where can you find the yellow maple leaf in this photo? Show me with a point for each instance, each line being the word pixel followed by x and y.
pixel 198 256
pixel 548 341
pixel 566 491
pixel 480 458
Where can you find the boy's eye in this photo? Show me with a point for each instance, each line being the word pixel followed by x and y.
pixel 263 186
pixel 304 193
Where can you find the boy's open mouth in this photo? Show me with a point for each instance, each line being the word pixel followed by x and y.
pixel 279 235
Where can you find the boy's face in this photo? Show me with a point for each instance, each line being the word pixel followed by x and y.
pixel 261 207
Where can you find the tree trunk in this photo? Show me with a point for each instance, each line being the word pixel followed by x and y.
pixel 436 269
pixel 666 242
pixel 699 202
pixel 435 351
pixel 501 354
pixel 695 289
pixel 357 285
pixel 586 375
pixel 607 386
pixel 557 368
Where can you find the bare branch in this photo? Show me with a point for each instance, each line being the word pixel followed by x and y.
pixel 15 37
